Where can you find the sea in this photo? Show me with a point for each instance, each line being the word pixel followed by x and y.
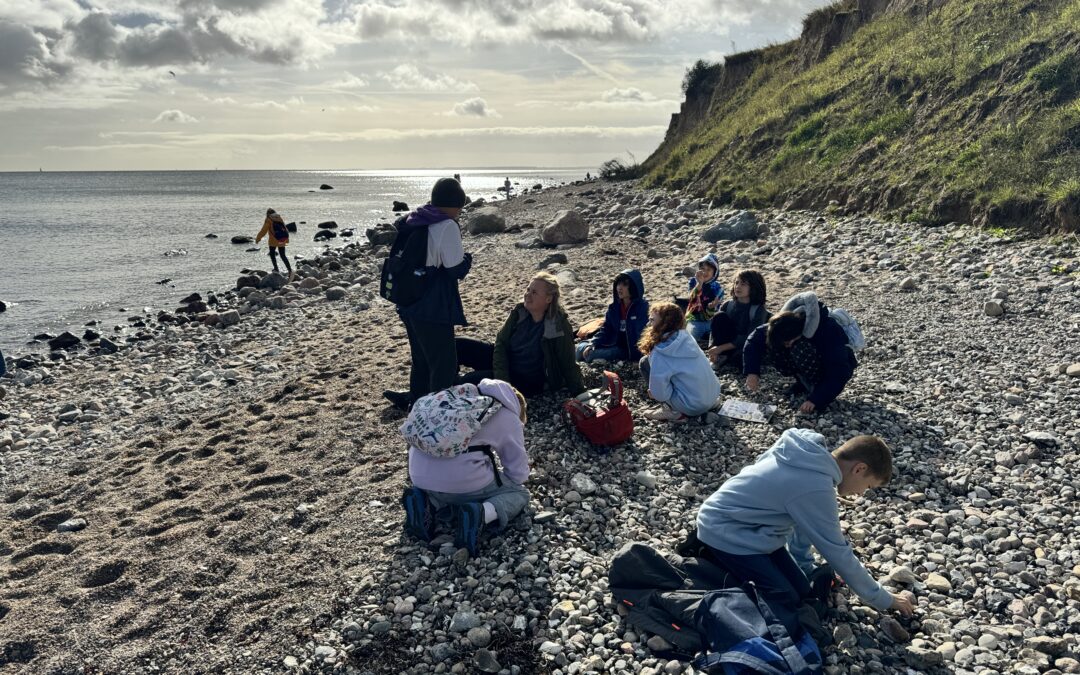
pixel 102 246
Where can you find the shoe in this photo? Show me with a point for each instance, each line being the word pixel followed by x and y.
pixel 666 413
pixel 419 514
pixel 468 522
pixel 399 399
pixel 292 276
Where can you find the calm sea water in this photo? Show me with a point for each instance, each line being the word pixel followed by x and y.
pixel 91 245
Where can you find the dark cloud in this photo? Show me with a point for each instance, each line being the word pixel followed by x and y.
pixel 24 56
pixel 95 37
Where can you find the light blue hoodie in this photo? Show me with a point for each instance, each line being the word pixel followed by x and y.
pixel 680 375
pixel 791 485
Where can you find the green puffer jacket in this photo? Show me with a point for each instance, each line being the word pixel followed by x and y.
pixel 560 365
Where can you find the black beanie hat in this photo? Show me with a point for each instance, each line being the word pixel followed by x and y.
pixel 448 193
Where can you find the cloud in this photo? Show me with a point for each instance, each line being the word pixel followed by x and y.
pixel 628 94
pixel 221 100
pixel 348 81
pixel 266 105
pixel 473 107
pixel 182 140
pixel 175 116
pixel 416 78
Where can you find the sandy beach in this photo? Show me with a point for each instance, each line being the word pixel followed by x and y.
pixel 225 499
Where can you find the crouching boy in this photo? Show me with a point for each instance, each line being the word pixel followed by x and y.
pixel 793 487
pixel 467 489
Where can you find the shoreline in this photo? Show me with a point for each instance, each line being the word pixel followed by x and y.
pixel 239 486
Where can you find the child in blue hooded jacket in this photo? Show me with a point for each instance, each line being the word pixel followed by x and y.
pixel 705 296
pixel 617 339
pixel 749 523
pixel 679 374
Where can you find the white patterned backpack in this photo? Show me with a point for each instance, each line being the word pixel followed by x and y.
pixel 443 423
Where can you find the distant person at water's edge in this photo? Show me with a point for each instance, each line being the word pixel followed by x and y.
pixel 274 227
pixel 429 322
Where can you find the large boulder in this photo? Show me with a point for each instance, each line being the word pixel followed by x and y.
pixel 3 306
pixel 274 280
pixel 486 221
pixel 743 225
pixel 335 293
pixel 324 186
pixel 568 227
pixel 382 234
pixel 251 280
pixel 241 239
pixel 328 225
pixel 229 318
pixel 400 206
pixel 323 235
pixel 64 340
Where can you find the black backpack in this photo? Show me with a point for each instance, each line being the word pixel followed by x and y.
pixel 404 272
pixel 281 232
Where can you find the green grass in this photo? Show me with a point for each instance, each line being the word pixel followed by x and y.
pixel 978 99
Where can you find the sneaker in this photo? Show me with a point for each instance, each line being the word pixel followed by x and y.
pixel 399 399
pixel 666 413
pixel 419 514
pixel 468 522
pixel 292 276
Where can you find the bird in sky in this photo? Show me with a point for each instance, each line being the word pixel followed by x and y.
pixel 172 73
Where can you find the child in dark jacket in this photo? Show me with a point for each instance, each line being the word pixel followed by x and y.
pixel 792 489
pixel 737 317
pixel 807 344
pixel 705 296
pixel 624 322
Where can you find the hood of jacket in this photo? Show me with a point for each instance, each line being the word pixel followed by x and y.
pixel 805 449
pixel 501 392
pixel 426 215
pixel 806 304
pixel 710 258
pixel 635 278
pixel 680 346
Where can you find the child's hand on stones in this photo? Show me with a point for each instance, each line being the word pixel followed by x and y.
pixel 807 407
pixel 902 604
pixel 753 382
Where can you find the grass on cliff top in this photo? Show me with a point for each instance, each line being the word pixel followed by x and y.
pixel 975 98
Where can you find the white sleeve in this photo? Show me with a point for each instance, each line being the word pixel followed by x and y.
pixel 444 245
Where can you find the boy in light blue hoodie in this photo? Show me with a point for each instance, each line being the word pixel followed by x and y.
pixel 791 488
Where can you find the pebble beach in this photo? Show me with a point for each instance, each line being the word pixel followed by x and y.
pixel 218 492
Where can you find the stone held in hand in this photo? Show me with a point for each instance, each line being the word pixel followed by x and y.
pixel 567 227
pixel 485 221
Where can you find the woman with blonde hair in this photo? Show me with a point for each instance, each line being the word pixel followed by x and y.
pixel 534 350
pixel 679 374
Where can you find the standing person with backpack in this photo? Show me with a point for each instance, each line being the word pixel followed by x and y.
pixel 427 259
pixel 274 226
pixel 808 343
pixel 453 438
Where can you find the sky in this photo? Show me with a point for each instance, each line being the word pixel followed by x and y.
pixel 356 84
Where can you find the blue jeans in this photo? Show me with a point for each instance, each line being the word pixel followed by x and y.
pixel 613 353
pixel 777 577
pixel 509 499
pixel 699 330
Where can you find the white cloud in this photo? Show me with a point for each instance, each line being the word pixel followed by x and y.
pixel 220 100
pixel 473 107
pixel 348 81
pixel 175 116
pixel 411 77
pixel 628 94
pixel 266 105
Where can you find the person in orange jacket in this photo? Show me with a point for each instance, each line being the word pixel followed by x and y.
pixel 274 227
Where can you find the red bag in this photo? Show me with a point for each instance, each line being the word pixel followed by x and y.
pixel 602 426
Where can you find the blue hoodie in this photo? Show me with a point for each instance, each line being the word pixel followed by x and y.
pixel 790 486
pixel 636 317
pixel 698 308
pixel 681 376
